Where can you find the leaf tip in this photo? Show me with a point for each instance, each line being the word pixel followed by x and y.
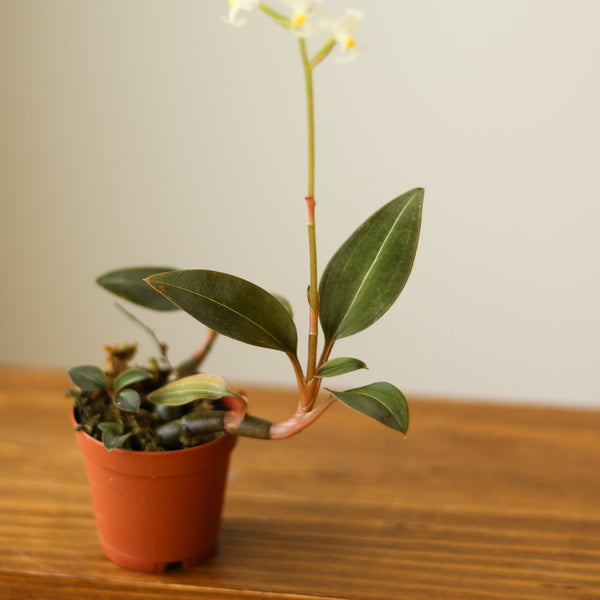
pixel 159 287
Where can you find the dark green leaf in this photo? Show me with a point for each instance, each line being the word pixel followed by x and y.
pixel 130 377
pixel 367 274
pixel 128 400
pixel 88 378
pixel 381 401
pixel 111 435
pixel 129 284
pixel 232 306
pixel 339 366
pixel 187 389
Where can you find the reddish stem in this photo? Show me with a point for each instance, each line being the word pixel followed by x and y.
pixel 201 353
pixel 299 421
pixel 313 292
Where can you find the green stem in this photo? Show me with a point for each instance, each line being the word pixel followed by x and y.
pixel 310 118
pixel 315 385
pixel 323 53
pixel 310 203
pixel 277 17
pixel 162 347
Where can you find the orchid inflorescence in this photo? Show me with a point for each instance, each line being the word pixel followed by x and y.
pixel 305 18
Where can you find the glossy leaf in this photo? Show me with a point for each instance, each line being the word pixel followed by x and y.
pixel 187 389
pixel 111 435
pixel 128 400
pixel 231 306
pixel 382 401
pixel 366 275
pixel 129 284
pixel 130 377
pixel 339 366
pixel 88 377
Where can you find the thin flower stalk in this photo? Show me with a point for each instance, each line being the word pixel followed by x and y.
pixel 313 292
pixel 277 17
pixel 323 53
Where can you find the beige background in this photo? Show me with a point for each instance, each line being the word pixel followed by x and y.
pixel 147 131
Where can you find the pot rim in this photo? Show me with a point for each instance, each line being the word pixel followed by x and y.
pixel 165 463
pixel 127 450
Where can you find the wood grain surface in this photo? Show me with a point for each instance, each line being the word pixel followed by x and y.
pixel 479 501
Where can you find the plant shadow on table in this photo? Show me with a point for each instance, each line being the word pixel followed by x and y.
pixel 301 553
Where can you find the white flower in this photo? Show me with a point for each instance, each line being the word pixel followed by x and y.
pixel 236 7
pixel 302 21
pixel 343 31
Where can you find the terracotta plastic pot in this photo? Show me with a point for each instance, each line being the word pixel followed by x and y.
pixel 154 509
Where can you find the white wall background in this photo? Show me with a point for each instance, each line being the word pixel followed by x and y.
pixel 147 131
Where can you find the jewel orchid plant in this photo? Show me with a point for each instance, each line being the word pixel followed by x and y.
pixel 360 283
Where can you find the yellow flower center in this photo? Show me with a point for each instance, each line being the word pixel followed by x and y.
pixel 232 3
pixel 348 43
pixel 298 19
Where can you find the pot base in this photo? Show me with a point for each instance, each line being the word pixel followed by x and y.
pixel 144 565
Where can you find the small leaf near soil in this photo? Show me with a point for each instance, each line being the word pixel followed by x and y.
pixel 130 377
pixel 187 389
pixel 88 377
pixel 128 400
pixel 112 435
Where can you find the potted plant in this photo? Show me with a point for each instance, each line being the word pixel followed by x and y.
pixel 147 430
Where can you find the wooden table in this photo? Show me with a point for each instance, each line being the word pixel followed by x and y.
pixel 479 501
